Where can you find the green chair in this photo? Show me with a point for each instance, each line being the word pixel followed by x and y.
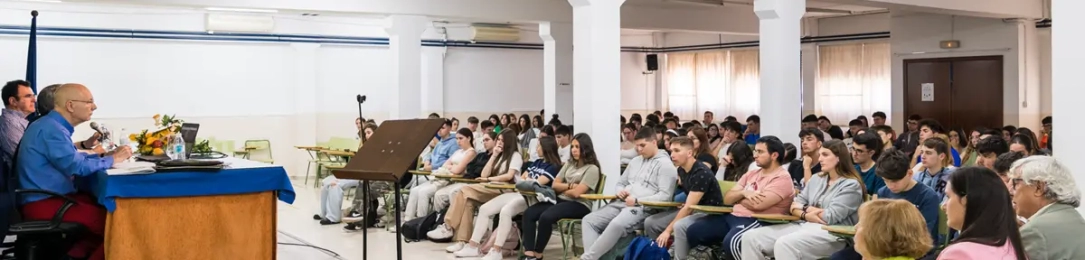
pixel 569 228
pixel 260 150
pixel 314 159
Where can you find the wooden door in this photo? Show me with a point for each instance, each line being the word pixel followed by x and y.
pixel 967 91
pixel 977 92
pixel 919 72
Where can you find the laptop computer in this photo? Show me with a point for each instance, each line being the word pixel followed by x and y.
pixel 188 134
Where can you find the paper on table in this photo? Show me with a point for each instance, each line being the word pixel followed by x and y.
pixel 129 168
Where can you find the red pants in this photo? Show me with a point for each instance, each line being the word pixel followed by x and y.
pixel 86 211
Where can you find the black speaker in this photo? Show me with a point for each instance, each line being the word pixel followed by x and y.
pixel 653 62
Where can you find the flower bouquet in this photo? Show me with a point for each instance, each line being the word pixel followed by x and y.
pixel 152 142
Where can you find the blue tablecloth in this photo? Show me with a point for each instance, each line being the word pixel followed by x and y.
pixel 185 184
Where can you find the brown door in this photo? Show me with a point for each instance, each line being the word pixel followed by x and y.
pixel 967 92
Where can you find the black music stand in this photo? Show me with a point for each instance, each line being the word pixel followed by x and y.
pixel 387 156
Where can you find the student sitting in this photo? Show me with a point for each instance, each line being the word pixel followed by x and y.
pixel 702 189
pixel 985 217
pixel 988 149
pixel 332 189
pixel 649 177
pixel 504 166
pixel 893 168
pixel 629 150
pixel 579 176
pixel 1047 194
pixel 934 167
pixel 890 229
pixel 418 202
pixel 766 190
pixel 809 162
pixel 511 204
pixel 831 197
pixel 866 148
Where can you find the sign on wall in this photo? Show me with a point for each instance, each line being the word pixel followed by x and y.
pixel 928 92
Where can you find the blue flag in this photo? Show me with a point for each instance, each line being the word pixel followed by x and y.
pixel 32 53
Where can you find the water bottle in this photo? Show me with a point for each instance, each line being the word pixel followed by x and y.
pixel 177 147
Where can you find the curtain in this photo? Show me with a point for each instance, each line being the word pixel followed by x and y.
pixel 724 82
pixel 852 80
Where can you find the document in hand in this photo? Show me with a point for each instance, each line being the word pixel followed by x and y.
pixel 129 168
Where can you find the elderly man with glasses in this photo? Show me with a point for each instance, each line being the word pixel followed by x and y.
pixel 1046 194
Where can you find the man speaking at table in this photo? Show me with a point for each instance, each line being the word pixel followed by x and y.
pixel 48 160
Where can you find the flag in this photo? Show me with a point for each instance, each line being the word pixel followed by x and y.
pixel 32 53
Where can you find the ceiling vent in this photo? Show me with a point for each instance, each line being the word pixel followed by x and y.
pixel 216 22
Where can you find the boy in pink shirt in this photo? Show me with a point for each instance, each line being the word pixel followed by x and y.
pixel 768 190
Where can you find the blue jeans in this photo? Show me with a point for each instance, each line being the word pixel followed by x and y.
pixel 726 229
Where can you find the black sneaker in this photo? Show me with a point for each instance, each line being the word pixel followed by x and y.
pixel 317 217
pixel 352 227
pixel 327 222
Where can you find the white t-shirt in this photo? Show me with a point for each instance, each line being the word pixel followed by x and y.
pixel 565 153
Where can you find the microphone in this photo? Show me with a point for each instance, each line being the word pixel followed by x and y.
pixel 100 128
pixel 361 99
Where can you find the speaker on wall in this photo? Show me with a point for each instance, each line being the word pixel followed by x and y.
pixel 653 62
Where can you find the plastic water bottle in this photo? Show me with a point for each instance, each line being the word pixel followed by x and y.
pixel 176 149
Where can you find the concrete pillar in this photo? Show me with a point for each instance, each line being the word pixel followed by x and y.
pixel 781 79
pixel 600 118
pixel 305 108
pixel 1066 56
pixel 433 81
pixel 557 69
pixel 581 66
pixel 405 44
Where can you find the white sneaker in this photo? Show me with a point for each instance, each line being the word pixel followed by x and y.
pixel 442 232
pixel 493 255
pixel 455 247
pixel 467 251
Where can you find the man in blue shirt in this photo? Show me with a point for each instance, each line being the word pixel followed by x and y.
pixel 49 161
pixel 893 169
pixel 446 145
pixel 753 129
pixel 865 148
pixel 18 103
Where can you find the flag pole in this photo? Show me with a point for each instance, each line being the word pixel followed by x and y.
pixel 32 53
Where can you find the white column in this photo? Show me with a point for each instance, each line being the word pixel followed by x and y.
pixel 433 81
pixel 604 82
pixel 305 108
pixel 781 77
pixel 1066 56
pixel 581 66
pixel 557 69
pixel 405 44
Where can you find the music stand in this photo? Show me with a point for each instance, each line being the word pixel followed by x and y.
pixel 387 156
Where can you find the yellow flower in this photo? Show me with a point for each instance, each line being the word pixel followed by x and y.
pixel 158 151
pixel 132 137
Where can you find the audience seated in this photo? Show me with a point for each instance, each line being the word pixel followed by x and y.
pixel 1002 167
pixel 649 177
pixel 831 197
pixel 984 216
pixel 579 176
pixel 527 132
pixel 1047 194
pixel 969 155
pixel 892 167
pixel 766 190
pixel 504 166
pixel 891 229
pixel 511 204
pixel 730 132
pixel 988 149
pixel 628 147
pixel 908 139
pixel 865 148
pixel 701 151
pixel 933 170
pixel 886 133
pixel 48 161
pixel 455 166
pixel 812 140
pixel 418 202
pixel 738 161
pixel 1023 144
pixel 753 129
pixel 930 128
pixel 332 188
pixel 563 134
pixel 18 104
pixel 702 189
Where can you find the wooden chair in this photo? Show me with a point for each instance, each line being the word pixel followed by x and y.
pixel 569 228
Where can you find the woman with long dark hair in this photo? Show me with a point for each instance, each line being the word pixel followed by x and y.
pixel 526 134
pixel 983 212
pixel 629 150
pixel 831 197
pixel 577 177
pixel 969 155
pixel 510 204
pixel 703 153
pixel 497 123
pixel 714 137
pixel 1034 140
pixel 1023 144
pixel 738 161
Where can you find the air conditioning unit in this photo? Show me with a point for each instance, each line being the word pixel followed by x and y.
pixel 239 23
pixel 488 33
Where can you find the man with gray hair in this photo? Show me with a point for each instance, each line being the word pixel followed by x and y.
pixel 45 102
pixel 1047 194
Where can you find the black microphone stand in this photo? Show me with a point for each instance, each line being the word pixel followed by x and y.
pixel 365 194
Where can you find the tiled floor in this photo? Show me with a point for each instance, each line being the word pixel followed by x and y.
pixel 296 226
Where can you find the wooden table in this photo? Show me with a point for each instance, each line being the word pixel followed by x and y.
pixel 499 186
pixel 657 204
pixel 715 210
pixel 245 152
pixel 598 197
pixel 420 172
pixel 464 180
pixel 310 148
pixel 840 231
pixel 776 218
pixel 338 153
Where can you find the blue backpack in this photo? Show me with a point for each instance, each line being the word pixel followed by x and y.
pixel 643 248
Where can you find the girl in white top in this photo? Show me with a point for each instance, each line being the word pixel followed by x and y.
pixel 629 150
pixel 418 201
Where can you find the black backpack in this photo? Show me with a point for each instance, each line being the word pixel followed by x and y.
pixel 415 230
pixel 474 168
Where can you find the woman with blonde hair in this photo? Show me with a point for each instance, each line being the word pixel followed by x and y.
pixel 891 229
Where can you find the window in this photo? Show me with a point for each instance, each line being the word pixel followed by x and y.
pixel 724 82
pixel 853 80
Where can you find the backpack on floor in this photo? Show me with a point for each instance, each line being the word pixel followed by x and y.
pixel 415 230
pixel 714 252
pixel 508 247
pixel 643 248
